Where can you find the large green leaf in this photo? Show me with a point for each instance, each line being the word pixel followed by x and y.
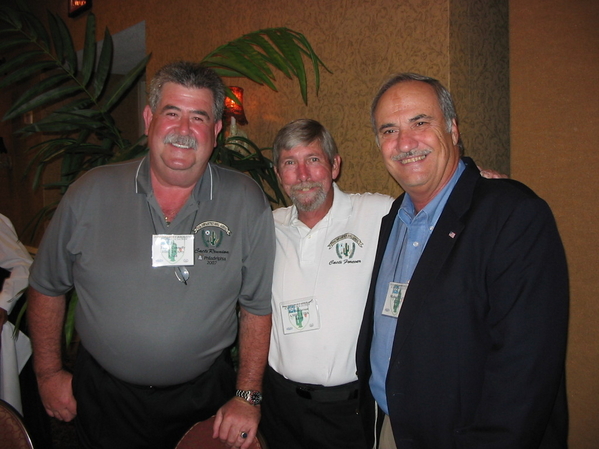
pixel 104 65
pixel 75 105
pixel 12 17
pixel 253 56
pixel 7 44
pixel 49 97
pixel 42 86
pixel 37 30
pixel 281 48
pixel 69 55
pixel 69 322
pixel 21 59
pixel 89 50
pixel 316 61
pixel 286 45
pixel 24 73
pixel 57 38
pixel 274 57
pixel 128 80
pixel 235 61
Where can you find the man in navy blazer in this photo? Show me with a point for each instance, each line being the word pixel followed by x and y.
pixel 464 335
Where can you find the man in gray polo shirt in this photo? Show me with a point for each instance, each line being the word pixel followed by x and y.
pixel 160 251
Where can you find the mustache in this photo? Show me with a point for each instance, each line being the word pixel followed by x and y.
pixel 410 154
pixel 178 139
pixel 305 185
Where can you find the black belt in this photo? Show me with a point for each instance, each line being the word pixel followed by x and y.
pixel 318 393
pixel 225 356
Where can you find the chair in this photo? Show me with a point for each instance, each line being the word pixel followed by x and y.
pixel 200 437
pixel 13 431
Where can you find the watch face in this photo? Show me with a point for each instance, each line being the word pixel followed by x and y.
pixel 255 397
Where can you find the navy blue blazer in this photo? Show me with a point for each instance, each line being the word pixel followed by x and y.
pixel 478 358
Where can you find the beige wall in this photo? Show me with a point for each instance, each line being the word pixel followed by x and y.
pixel 554 75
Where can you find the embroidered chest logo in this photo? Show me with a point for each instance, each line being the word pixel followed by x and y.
pixel 213 234
pixel 345 248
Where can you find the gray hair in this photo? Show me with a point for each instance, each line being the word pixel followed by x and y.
pixel 443 96
pixel 193 76
pixel 304 132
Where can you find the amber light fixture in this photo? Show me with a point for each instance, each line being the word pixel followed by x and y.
pixel 234 110
pixel 76 7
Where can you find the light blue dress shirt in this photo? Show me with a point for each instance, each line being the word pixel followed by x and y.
pixel 406 243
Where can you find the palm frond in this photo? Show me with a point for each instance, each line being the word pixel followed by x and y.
pixel 89 51
pixel 252 56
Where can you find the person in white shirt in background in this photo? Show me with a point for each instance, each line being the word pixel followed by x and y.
pixel 15 259
pixel 14 279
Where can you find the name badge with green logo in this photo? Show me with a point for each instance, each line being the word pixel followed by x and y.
pixel 172 250
pixel 394 300
pixel 300 315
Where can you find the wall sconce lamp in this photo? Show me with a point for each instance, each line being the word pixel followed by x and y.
pixel 234 115
pixel 233 110
pixel 4 156
pixel 76 7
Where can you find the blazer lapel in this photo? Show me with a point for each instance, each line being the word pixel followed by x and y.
pixel 440 244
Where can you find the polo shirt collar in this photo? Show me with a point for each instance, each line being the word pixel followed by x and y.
pixel 340 210
pixel 203 190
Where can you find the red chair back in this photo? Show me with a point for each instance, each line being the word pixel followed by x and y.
pixel 200 437
pixel 12 430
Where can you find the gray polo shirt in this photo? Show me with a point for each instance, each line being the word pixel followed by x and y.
pixel 139 322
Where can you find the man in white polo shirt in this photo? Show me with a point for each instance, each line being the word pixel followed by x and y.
pixel 326 243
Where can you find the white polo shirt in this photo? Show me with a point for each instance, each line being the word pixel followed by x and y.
pixel 320 285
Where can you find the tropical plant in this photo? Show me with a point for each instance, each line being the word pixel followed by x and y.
pixel 78 128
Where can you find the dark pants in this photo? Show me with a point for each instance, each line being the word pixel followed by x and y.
pixel 300 416
pixel 113 414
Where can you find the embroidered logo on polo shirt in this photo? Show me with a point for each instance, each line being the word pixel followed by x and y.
pixel 212 234
pixel 345 248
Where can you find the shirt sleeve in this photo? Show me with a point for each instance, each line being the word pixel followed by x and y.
pixel 14 258
pixel 258 263
pixel 52 269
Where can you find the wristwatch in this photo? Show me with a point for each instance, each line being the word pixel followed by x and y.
pixel 254 397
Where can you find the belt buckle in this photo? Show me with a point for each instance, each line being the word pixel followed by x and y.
pixel 303 393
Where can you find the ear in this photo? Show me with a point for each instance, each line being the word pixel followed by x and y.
pixel 336 169
pixel 276 168
pixel 455 133
pixel 147 114
pixel 217 127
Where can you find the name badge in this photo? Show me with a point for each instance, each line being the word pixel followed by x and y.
pixel 394 300
pixel 300 315
pixel 172 250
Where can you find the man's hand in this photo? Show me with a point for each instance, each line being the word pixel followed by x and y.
pixel 234 419
pixel 491 174
pixel 57 395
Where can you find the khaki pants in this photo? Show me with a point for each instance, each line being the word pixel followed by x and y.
pixel 386 440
